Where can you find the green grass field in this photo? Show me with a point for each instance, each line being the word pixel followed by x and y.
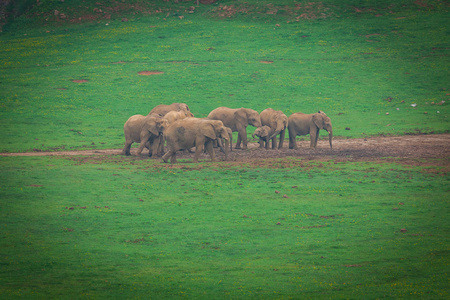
pixel 129 228
pixel 126 227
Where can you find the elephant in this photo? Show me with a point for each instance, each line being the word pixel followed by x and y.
pixel 194 132
pixel 264 133
pixel 163 109
pixel 278 122
pixel 146 130
pixel 237 120
pixel 173 116
pixel 303 124
pixel 220 141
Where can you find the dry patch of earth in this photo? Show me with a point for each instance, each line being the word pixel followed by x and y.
pixel 412 150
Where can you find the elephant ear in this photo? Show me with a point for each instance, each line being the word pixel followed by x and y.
pixel 208 131
pixel 150 125
pixel 241 117
pixel 318 120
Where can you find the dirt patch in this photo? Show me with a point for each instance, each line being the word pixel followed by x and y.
pixel 414 150
pixel 147 73
pixel 80 80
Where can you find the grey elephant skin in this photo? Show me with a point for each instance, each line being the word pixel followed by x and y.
pixel 146 130
pixel 278 122
pixel 163 109
pixel 303 124
pixel 264 133
pixel 193 132
pixel 237 119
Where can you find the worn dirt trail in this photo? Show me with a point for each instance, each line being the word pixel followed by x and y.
pixel 415 147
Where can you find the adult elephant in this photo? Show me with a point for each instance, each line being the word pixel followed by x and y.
pixel 163 109
pixel 146 130
pixel 278 122
pixel 193 132
pixel 303 124
pixel 237 120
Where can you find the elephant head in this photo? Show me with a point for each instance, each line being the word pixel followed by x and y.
pixel 322 121
pixel 248 116
pixel 219 131
pixel 154 125
pixel 262 132
pixel 279 123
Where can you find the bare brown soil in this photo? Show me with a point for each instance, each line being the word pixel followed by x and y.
pixel 147 73
pixel 413 150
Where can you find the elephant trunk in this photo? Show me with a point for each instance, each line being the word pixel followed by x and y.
pixel 277 132
pixel 330 138
pixel 227 148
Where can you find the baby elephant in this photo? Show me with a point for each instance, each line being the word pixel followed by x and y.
pixel 146 130
pixel 263 133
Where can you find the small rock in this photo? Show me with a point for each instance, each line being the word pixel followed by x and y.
pixel 387 113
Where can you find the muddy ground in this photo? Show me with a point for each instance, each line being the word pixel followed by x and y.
pixel 412 149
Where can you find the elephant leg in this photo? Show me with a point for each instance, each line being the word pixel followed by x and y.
pixel 170 154
pixel 154 147
pixel 126 148
pixel 220 145
pixel 173 158
pixel 292 142
pixel 210 149
pixel 161 145
pixel 314 135
pixel 141 148
pixel 274 142
pixel 282 134
pixel 261 143
pixel 242 136
pixel 198 151
pixel 238 142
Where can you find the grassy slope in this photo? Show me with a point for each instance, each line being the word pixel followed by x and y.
pixel 100 227
pixel 347 65
pixel 338 235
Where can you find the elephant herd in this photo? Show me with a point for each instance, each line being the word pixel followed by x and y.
pixel 177 126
